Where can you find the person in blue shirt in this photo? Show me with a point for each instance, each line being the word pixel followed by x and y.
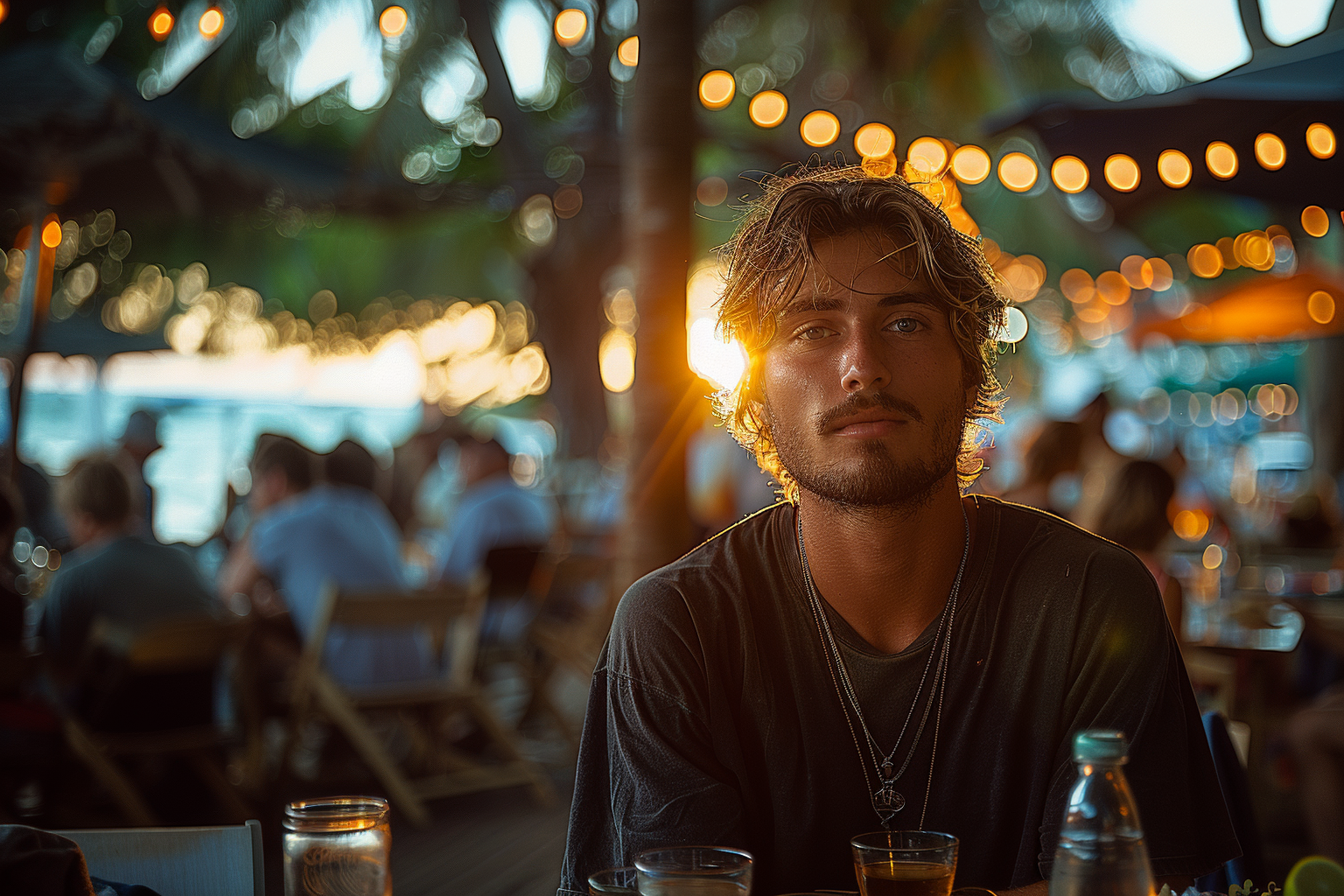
pixel 335 532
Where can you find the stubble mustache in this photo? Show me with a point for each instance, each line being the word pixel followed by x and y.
pixel 864 401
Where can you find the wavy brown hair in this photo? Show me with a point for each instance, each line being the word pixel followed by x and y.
pixel 773 249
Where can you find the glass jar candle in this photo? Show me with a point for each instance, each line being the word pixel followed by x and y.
pixel 337 846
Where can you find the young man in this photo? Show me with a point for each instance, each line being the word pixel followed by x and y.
pixel 880 649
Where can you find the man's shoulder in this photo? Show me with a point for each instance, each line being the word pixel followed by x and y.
pixel 724 568
pixel 1026 532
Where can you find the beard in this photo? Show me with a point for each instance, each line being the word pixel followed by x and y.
pixel 876 478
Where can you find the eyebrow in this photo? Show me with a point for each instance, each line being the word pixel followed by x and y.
pixel 826 303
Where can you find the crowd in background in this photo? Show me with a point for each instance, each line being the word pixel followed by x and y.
pixel 309 521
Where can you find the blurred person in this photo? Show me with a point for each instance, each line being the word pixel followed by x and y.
pixel 1054 451
pixel 138 441
pixel 305 536
pixel 1134 515
pixel 494 511
pixel 117 574
pixel 792 681
pixel 498 527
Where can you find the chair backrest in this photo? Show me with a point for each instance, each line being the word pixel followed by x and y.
pixel 177 645
pixel 204 861
pixel 449 612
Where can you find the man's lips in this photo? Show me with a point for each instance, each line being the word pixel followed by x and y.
pixel 868 424
pixel 881 415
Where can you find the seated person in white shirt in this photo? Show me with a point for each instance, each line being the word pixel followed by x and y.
pixel 335 532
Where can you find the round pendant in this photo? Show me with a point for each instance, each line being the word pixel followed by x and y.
pixel 887 800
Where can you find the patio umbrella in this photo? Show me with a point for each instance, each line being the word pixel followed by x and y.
pixel 1306 305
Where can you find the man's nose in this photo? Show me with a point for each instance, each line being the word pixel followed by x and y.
pixel 862 365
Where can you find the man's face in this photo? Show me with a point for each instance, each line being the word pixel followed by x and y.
pixel 863 384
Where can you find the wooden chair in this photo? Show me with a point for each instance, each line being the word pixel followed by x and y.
pixel 568 632
pixel 176 648
pixel 203 861
pixel 451 614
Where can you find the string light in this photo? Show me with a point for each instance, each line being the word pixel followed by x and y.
pixel 768 108
pixel 1221 160
pixel 819 128
pixel 970 164
pixel 1018 172
pixel 1320 140
pixel 1174 168
pixel 928 156
pixel 161 23
pixel 874 141
pixel 392 23
pixel 1122 173
pixel 211 23
pixel 628 51
pixel 570 27
pixel 717 89
pixel 1069 174
pixel 1270 151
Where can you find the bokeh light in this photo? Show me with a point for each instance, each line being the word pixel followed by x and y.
pixel 1077 286
pixel 768 108
pixel 1221 160
pixel 1163 276
pixel 211 23
pixel 1190 525
pixel 1174 168
pixel 1122 173
pixel 1205 260
pixel 161 23
pixel 1018 172
pixel 928 156
pixel 51 234
pixel 970 164
pixel 1270 151
pixel 616 360
pixel 1321 306
pixel 1069 174
pixel 874 141
pixel 1315 221
pixel 1320 140
pixel 4 10
pixel 1113 288
pixel 717 89
pixel 819 128
pixel 570 27
pixel 1213 557
pixel 1014 327
pixel 392 22
pixel 711 191
pixel 1137 271
pixel 628 51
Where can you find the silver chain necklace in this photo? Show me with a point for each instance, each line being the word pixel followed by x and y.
pixel 887 800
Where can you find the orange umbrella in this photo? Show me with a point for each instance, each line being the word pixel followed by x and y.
pixel 1307 305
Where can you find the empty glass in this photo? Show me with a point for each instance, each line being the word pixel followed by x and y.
pixel 697 870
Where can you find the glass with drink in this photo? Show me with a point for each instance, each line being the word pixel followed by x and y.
pixel 694 871
pixel 905 863
pixel 337 844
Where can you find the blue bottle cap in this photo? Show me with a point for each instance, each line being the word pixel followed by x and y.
pixel 1099 745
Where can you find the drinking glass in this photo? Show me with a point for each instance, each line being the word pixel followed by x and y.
pixel 613 882
pixel 905 863
pixel 694 871
pixel 337 844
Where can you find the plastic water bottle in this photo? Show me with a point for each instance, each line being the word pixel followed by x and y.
pixel 1101 850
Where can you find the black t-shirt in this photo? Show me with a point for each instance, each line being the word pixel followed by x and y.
pixel 713 718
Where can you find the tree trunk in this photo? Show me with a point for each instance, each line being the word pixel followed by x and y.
pixel 659 161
